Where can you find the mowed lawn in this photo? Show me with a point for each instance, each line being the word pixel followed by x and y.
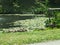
pixel 19 38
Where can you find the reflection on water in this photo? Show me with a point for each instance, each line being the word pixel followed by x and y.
pixel 2 20
pixel 7 21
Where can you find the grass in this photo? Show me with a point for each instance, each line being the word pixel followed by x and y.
pixel 20 38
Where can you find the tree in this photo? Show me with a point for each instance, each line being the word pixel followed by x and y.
pixel 7 6
pixel 22 6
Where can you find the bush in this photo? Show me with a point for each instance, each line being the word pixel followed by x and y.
pixel 31 24
pixel 54 21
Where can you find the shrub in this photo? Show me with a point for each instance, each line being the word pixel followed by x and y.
pixel 31 24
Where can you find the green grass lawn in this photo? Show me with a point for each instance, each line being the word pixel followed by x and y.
pixel 20 38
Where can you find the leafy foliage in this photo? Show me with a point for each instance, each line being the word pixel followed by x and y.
pixel 22 6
